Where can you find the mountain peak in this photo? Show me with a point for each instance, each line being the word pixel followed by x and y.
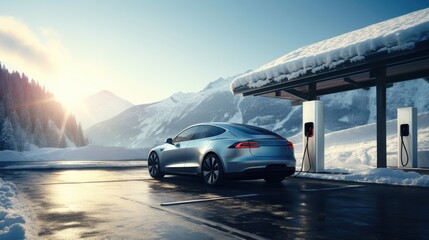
pixel 105 92
pixel 106 95
pixel 99 107
pixel 220 82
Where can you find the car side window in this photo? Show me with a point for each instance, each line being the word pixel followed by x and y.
pixel 198 132
pixel 208 131
pixel 186 135
pixel 212 131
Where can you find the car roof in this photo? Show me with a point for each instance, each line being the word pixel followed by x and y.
pixel 219 124
pixel 231 126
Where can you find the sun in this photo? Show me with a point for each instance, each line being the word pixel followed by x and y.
pixel 69 94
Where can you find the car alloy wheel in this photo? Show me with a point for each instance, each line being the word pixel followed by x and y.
pixel 212 170
pixel 154 167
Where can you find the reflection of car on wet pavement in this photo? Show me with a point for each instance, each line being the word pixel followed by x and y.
pixel 219 151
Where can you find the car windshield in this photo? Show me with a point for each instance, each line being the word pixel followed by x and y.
pixel 251 130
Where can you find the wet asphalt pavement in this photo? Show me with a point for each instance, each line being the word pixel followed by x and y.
pixel 128 204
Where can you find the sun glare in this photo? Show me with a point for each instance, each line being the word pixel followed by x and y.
pixel 69 93
pixel 67 98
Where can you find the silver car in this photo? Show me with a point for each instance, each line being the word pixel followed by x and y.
pixel 220 151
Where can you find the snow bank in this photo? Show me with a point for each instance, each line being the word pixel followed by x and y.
pixel 76 165
pixel 393 35
pixel 377 175
pixel 15 220
pixel 8 155
pixel 90 152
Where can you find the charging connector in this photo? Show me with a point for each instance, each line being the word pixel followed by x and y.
pixel 405 131
pixel 309 129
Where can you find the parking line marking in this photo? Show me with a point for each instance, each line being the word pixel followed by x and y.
pixel 208 199
pixel 331 188
pixel 211 224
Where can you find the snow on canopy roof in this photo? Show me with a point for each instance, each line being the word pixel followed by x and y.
pixel 394 35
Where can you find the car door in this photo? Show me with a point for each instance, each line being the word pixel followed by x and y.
pixel 173 157
pixel 193 150
pixel 199 145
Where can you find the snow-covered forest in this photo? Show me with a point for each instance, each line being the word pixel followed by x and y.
pixel 30 115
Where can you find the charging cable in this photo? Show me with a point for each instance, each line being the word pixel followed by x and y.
pixel 306 150
pixel 406 152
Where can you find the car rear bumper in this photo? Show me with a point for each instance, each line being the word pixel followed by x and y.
pixel 271 170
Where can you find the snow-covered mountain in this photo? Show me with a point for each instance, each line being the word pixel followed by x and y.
pixel 147 125
pixel 99 107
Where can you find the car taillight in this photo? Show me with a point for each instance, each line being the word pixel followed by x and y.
pixel 247 144
pixel 290 145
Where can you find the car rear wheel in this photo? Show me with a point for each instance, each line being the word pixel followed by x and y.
pixel 274 179
pixel 212 170
pixel 154 166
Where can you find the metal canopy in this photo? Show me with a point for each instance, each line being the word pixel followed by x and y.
pixel 401 66
pixel 380 69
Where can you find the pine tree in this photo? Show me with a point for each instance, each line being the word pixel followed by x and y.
pixel 62 142
pixel 7 138
pixel 2 114
pixel 21 139
pixel 81 138
pixel 39 137
pixel 26 120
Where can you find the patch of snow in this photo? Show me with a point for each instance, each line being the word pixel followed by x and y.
pixel 8 155
pixel 377 175
pixel 16 221
pixel 258 121
pixel 344 119
pixel 77 165
pixel 237 118
pixel 90 152
pixel 393 35
pixel 220 83
pixel 279 125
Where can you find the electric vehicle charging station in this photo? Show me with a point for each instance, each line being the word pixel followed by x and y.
pixel 407 137
pixel 313 136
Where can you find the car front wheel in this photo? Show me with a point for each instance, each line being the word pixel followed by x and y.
pixel 154 166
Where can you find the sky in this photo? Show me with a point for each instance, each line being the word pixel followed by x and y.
pixel 144 51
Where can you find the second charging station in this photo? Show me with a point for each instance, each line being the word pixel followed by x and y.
pixel 407 137
pixel 313 136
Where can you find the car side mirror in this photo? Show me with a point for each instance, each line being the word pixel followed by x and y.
pixel 169 141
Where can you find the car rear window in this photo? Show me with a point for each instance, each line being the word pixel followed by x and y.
pixel 251 130
pixel 211 131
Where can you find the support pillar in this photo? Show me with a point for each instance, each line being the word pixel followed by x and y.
pixel 313 136
pixel 380 84
pixel 312 91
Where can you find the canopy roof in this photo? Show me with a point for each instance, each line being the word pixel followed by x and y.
pixel 400 46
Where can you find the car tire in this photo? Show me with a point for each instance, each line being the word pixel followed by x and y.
pixel 154 167
pixel 212 170
pixel 274 179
